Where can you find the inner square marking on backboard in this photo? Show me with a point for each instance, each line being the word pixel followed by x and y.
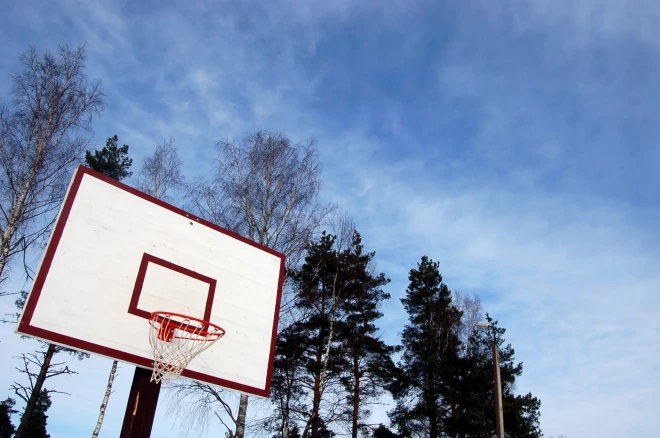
pixel 139 284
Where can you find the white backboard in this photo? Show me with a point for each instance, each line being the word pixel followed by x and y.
pixel 117 254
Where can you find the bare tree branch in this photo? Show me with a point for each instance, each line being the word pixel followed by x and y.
pixel 30 391
pixel 43 132
pixel 160 173
pixel 470 305
pixel 265 188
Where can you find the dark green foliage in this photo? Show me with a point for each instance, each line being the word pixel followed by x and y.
pixel 294 432
pixel 383 432
pixel 112 161
pixel 37 425
pixel 286 391
pixel 297 363
pixel 445 390
pixel 370 366
pixel 331 354
pixel 323 431
pixel 474 398
pixel 332 350
pixel 303 345
pixel 430 354
pixel 7 428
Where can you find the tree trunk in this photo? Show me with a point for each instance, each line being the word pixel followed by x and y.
pixel 240 419
pixel 356 397
pixel 431 405
pixel 106 397
pixel 36 391
pixel 14 217
pixel 286 414
pixel 316 406
pixel 433 432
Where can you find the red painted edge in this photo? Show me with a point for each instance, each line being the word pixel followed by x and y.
pixel 140 361
pixel 47 260
pixel 25 327
pixel 137 290
pixel 209 300
pixel 276 318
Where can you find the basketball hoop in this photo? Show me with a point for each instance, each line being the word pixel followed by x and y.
pixel 176 339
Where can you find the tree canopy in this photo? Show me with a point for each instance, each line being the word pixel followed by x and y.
pixel 112 160
pixel 7 428
pixel 446 386
pixel 36 427
pixel 44 127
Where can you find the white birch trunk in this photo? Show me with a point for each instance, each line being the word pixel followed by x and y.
pixel 106 397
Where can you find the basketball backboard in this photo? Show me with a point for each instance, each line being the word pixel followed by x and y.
pixel 117 254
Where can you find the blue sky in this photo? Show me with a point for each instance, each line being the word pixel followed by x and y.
pixel 514 141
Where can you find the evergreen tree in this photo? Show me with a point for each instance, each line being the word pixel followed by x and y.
pixel 331 355
pixel 473 399
pixel 370 366
pixel 319 288
pixel 383 432
pixel 36 427
pixel 295 432
pixel 287 392
pixel 430 354
pixel 112 160
pixel 7 428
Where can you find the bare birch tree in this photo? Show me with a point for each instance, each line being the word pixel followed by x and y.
pixel 160 173
pixel 106 399
pixel 470 305
pixel 44 129
pixel 265 188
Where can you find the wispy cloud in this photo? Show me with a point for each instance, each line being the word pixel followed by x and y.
pixel 516 142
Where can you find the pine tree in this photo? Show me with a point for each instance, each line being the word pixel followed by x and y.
pixel 383 432
pixel 36 427
pixel 287 391
pixel 370 366
pixel 319 288
pixel 473 400
pixel 7 428
pixel 112 160
pixel 332 356
pixel 430 354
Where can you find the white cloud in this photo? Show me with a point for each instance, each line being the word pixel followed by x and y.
pixel 572 278
pixel 527 204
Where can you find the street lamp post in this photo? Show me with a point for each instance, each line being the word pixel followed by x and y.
pixel 499 412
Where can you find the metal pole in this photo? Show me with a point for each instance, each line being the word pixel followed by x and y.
pixel 499 412
pixel 141 406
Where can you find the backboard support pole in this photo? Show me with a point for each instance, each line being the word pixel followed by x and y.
pixel 141 406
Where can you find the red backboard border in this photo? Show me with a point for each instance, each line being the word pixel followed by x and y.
pixel 25 327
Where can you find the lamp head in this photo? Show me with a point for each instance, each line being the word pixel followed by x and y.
pixel 483 324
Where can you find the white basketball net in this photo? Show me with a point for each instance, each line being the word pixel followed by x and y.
pixel 176 340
